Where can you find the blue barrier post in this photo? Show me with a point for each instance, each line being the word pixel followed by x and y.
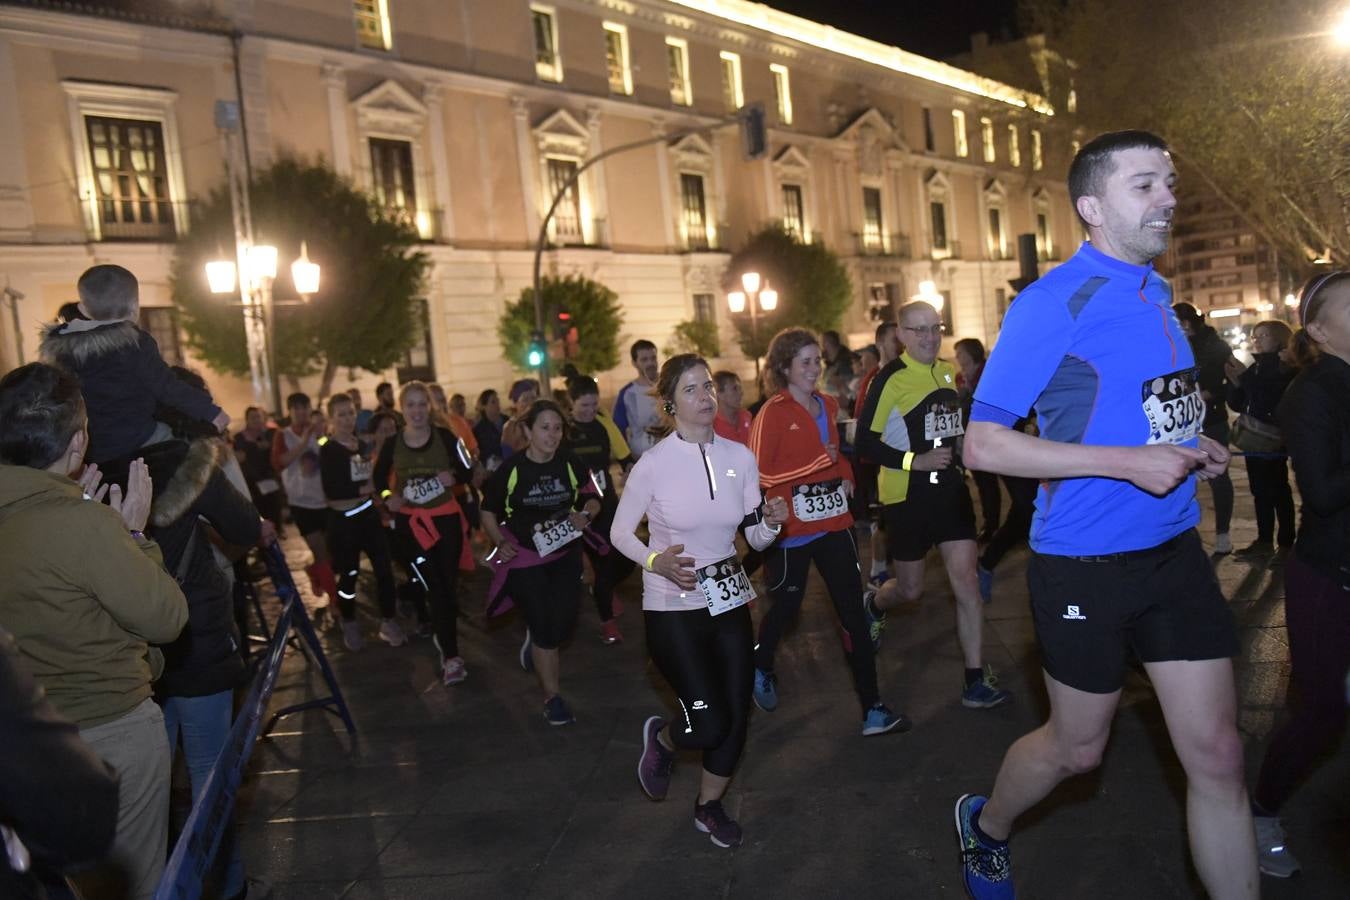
pixel 196 848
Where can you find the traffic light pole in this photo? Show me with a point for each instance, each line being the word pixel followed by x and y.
pixel 750 118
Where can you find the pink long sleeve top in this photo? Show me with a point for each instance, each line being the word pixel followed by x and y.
pixel 692 494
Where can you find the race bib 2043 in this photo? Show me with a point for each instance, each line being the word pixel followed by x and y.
pixel 1173 406
pixel 423 490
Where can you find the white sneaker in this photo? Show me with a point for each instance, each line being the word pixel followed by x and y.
pixel 1223 544
pixel 392 634
pixel 1272 857
pixel 351 635
pixel 453 671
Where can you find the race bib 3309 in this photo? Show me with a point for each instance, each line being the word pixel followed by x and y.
pixel 1174 408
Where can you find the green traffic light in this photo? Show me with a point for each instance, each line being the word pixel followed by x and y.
pixel 536 358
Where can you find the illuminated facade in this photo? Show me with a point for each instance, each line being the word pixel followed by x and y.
pixel 464 116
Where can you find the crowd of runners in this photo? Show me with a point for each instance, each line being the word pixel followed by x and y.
pixel 1093 412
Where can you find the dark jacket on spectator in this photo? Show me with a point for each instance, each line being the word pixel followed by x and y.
pixel 1258 389
pixel 122 377
pixel 1211 352
pixel 56 795
pixel 191 486
pixel 1315 418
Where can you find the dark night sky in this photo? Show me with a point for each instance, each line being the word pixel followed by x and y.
pixel 933 29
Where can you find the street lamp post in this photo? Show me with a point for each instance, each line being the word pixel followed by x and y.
pixel 255 284
pixel 757 298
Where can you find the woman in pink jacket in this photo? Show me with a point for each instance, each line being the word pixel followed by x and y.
pixel 696 490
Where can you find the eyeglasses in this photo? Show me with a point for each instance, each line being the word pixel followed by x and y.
pixel 934 330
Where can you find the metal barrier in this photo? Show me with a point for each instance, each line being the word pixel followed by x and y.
pixel 196 848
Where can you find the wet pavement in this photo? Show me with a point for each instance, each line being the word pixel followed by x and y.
pixel 466 791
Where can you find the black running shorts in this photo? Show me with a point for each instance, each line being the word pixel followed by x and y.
pixel 1163 603
pixel 915 526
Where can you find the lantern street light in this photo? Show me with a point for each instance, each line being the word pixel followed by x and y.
pixel 755 297
pixel 259 271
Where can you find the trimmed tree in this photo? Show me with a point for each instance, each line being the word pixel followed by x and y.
pixel 694 336
pixel 363 316
pixel 590 337
pixel 814 289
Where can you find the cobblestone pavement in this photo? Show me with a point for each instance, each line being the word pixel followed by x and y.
pixel 467 792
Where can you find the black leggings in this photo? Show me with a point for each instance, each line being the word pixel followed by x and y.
pixel 785 572
pixel 991 501
pixel 437 568
pixel 348 538
pixel 1269 480
pixel 610 569
pixel 549 595
pixel 708 661
pixel 1017 526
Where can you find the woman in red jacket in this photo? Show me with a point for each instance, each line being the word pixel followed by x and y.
pixel 796 445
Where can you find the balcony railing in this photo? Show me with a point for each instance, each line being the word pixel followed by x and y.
pixel 951 250
pixel 873 244
pixel 569 233
pixel 708 239
pixel 111 219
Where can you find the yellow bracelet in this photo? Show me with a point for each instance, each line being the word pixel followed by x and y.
pixel 908 462
pixel 651 556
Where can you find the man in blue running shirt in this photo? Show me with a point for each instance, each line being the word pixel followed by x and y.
pixel 1118 567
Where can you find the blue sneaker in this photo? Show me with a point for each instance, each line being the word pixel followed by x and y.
pixel 986 578
pixel 987 871
pixel 876 619
pixel 766 690
pixel 877 579
pixel 984 694
pixel 556 711
pixel 656 761
pixel 526 656
pixel 880 720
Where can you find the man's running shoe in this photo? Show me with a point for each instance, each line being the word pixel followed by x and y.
pixel 1272 856
pixel 712 820
pixel 656 761
pixel 453 671
pixel 609 632
pixel 880 720
pixel 766 690
pixel 1223 544
pixel 876 619
pixel 986 579
pixel 556 711
pixel 988 874
pixel 392 633
pixel 351 635
pixel 1256 550
pixel 984 693
pixel 526 653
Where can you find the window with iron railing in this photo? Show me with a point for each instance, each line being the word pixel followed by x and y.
pixel 705 308
pixel 733 93
pixel 873 225
pixel 372 23
pixel 998 244
pixel 677 70
pixel 392 178
pixel 547 62
pixel 131 182
pixel 937 221
pixel 616 59
pixel 567 226
pixel 782 92
pixel 694 212
pixel 794 213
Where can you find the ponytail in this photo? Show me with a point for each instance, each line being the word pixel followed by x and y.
pixel 1303 349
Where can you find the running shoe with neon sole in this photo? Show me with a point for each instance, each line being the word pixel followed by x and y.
pixel 656 762
pixel 526 653
pixel 556 711
pixel 609 632
pixel 392 633
pixel 766 690
pixel 876 619
pixel 712 820
pixel 986 869
pixel 453 671
pixel 880 720
pixel 985 693
pixel 1272 856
